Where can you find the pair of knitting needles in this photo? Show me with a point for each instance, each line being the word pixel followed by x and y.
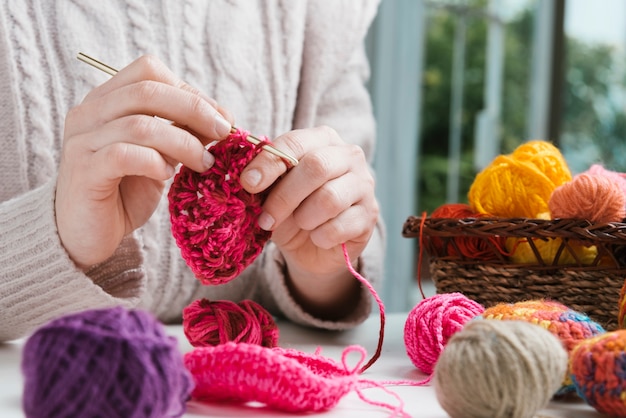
pixel 250 138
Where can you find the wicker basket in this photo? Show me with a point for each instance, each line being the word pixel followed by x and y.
pixel 593 288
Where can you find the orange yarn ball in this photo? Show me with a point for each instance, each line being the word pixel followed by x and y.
pixel 596 198
pixel 520 184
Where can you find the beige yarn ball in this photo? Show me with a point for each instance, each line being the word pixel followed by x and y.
pixel 495 369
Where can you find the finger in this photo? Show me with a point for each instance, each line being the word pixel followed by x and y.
pixel 329 200
pixel 173 143
pixel 263 171
pixel 356 224
pixel 151 98
pixel 316 178
pixel 121 159
pixel 147 67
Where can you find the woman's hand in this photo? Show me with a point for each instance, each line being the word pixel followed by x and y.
pixel 117 155
pixel 326 200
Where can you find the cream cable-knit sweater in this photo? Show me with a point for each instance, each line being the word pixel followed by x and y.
pixel 276 65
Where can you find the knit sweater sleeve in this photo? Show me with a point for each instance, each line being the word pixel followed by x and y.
pixel 38 281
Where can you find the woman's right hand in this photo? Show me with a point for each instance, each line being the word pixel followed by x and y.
pixel 117 156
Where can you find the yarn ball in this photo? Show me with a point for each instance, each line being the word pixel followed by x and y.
pixel 432 322
pixel 214 220
pixel 569 326
pixel 519 184
pixel 474 248
pixel 520 251
pixel 617 177
pixel 280 378
pixel 597 368
pixel 596 198
pixel 104 363
pixel 494 369
pixel 546 157
pixel 210 323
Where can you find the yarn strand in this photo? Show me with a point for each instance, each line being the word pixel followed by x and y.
pixel 381 308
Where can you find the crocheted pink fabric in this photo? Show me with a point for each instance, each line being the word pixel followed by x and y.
pixel 280 378
pixel 214 220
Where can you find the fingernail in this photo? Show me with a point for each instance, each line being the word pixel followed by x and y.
pixel 208 160
pixel 252 177
pixel 222 126
pixel 266 221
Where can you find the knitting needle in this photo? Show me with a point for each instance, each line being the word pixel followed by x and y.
pixel 250 138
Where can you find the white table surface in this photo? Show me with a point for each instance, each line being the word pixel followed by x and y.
pixel 392 365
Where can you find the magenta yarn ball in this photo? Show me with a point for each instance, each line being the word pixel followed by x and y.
pixel 104 363
pixel 432 322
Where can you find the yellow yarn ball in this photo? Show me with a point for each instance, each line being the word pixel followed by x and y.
pixel 521 252
pixel 519 184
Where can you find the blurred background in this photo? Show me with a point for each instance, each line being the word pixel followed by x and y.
pixel 457 82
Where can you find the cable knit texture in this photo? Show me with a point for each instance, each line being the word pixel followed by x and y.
pixel 276 65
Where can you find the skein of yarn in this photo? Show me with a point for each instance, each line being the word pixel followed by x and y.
pixel 495 369
pixel 596 198
pixel 519 184
pixel 597 368
pixel 432 322
pixel 106 363
pixel 210 323
pixel 473 248
pixel 214 220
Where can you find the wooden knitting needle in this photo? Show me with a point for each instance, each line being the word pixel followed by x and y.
pixel 250 138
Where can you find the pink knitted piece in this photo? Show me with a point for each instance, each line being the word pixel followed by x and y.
pixel 280 378
pixel 214 220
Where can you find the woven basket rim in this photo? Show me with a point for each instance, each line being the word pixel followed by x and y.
pixel 606 237
pixel 577 229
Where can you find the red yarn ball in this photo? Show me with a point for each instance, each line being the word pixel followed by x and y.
pixel 596 198
pixel 473 248
pixel 214 220
pixel 210 323
pixel 432 322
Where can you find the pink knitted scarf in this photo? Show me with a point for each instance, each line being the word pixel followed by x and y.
pixel 280 378
pixel 214 220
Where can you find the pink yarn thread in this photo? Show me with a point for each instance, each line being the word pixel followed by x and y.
pixel 431 323
pixel 282 379
pixel 214 220
pixel 209 323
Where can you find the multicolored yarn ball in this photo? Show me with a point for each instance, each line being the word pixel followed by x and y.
pixel 494 369
pixel 569 326
pixel 279 378
pixel 214 220
pixel 596 198
pixel 597 366
pixel 519 184
pixel 470 247
pixel 210 323
pixel 432 322
pixel 104 363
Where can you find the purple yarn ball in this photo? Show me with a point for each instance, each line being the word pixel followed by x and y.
pixel 104 363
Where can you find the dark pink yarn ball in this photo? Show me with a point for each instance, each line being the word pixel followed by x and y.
pixel 210 323
pixel 214 220
pixel 104 363
pixel 432 322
